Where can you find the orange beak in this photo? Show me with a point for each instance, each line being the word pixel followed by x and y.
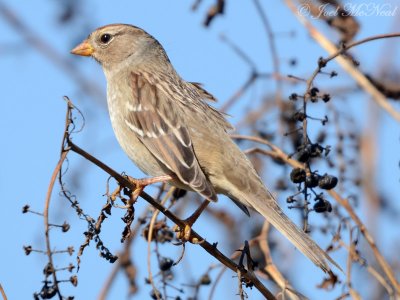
pixel 83 49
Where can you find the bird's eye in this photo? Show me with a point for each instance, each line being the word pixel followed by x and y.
pixel 105 38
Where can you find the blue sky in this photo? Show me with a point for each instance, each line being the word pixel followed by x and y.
pixel 33 113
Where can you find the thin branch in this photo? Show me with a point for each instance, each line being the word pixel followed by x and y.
pixel 353 253
pixel 343 202
pixel 210 248
pixel 149 239
pixel 120 263
pixel 46 214
pixel 3 293
pixel 56 172
pixel 239 52
pixel 273 50
pixel 246 85
pixel 368 237
pixel 272 269
pixel 347 65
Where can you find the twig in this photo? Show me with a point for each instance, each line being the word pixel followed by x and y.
pixel 353 253
pixel 121 261
pixel 240 288
pixel 210 248
pixel 271 268
pixel 56 171
pixel 347 65
pixel 215 10
pixel 149 239
pixel 216 281
pixel 231 101
pixel 343 202
pixel 273 50
pixel 370 240
pixel 111 277
pixel 239 52
pixel 3 293
pixel 46 215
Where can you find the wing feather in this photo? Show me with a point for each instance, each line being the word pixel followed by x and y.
pixel 156 120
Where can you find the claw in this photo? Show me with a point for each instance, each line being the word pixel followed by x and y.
pixel 185 233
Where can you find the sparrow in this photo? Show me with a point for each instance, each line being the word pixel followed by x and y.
pixel 168 129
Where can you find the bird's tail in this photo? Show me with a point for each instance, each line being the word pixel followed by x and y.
pixel 274 214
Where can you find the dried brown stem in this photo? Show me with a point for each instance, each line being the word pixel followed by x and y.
pixel 272 48
pixel 347 65
pixel 343 202
pixel 150 238
pixel 3 293
pixel 210 248
pixel 370 240
pixel 56 172
pixel 123 258
pixel 356 257
pixel 46 214
pixel 271 268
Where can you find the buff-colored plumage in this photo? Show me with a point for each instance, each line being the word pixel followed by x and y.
pixel 166 127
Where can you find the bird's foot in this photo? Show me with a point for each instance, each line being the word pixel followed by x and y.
pixel 147 181
pixel 184 233
pixel 139 184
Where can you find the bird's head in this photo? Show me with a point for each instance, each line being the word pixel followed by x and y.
pixel 117 44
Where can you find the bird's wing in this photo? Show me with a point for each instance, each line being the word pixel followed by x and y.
pixel 154 118
pixel 204 94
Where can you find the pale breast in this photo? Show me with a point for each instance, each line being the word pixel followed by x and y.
pixel 127 139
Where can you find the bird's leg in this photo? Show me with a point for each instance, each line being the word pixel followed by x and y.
pixel 140 184
pixel 184 234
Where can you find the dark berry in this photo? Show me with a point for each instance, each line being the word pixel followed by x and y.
pixel 299 116
pixel 316 150
pixel 293 97
pixel 27 249
pixel 298 175
pixel 48 292
pixel 205 280
pixel 74 280
pixel 326 97
pixel 166 264
pixel 155 294
pixel 25 209
pixel 312 180
pixel 321 62
pixel 65 227
pixel 327 182
pixel 322 206
pixel 303 155
pixel 290 199
pixel 314 91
